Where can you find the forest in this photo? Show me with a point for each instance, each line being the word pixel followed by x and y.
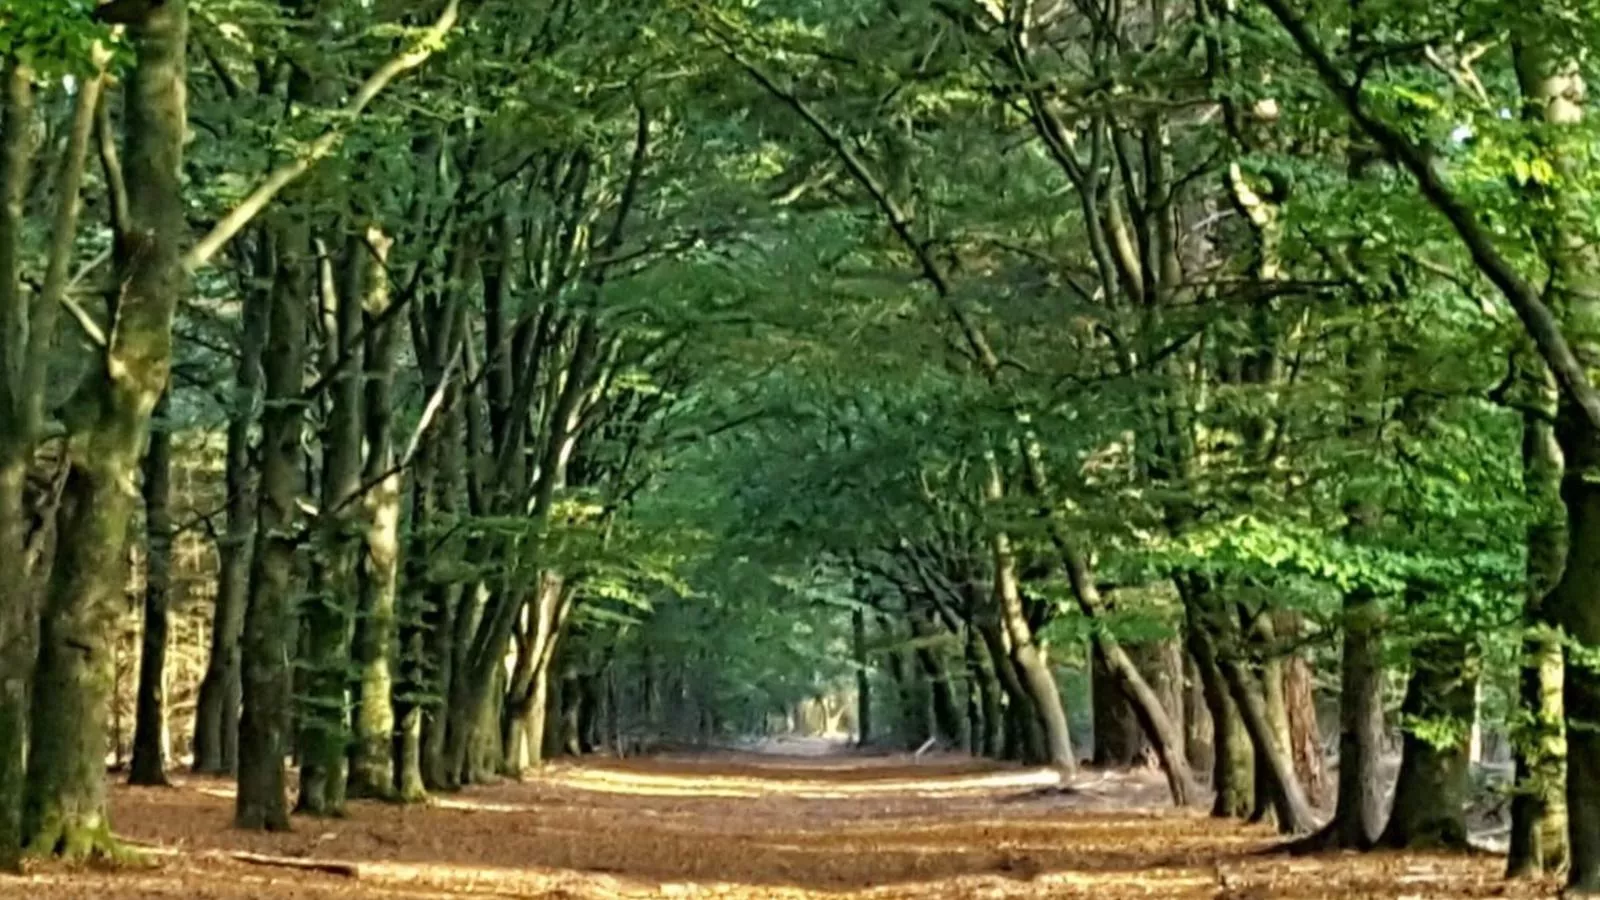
pixel 411 407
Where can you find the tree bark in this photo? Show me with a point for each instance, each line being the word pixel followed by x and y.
pixel 527 699
pixel 1118 741
pixel 1233 781
pixel 1538 805
pixel 18 600
pixel 270 622
pixel 1198 741
pixel 108 423
pixel 1028 657
pixel 329 611
pixel 216 732
pixel 372 754
pixel 1216 631
pixel 1429 809
pixel 149 764
pixel 947 718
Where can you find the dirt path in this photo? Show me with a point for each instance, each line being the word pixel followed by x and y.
pixel 745 825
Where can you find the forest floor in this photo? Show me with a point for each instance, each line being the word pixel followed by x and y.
pixel 746 825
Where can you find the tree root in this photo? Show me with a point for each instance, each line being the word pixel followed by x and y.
pixel 78 844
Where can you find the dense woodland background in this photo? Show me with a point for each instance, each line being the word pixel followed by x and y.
pixel 396 394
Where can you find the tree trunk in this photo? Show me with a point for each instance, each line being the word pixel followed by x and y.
pixel 1028 657
pixel 1198 742
pixel 1118 740
pixel 1538 805
pixel 149 765
pixel 108 422
pixel 216 731
pixel 1233 781
pixel 947 718
pixel 329 611
pixel 270 624
pixel 858 629
pixel 1159 727
pixel 1305 736
pixel 530 682
pixel 1430 797
pixel 1576 604
pixel 372 754
pixel 18 639
pixel 1355 820
pixel 1022 735
pixel 1215 628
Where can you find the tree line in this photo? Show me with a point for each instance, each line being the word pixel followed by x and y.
pixel 585 361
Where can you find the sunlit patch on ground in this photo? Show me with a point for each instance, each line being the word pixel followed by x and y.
pixel 747 826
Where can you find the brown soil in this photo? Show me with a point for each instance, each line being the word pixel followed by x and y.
pixel 748 826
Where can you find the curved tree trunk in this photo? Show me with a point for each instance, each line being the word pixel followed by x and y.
pixel 149 764
pixel 65 810
pixel 1215 627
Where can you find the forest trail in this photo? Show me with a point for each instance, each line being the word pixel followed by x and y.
pixel 741 824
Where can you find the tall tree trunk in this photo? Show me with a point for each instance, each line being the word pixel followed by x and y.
pixel 858 629
pixel 328 611
pixel 1538 806
pixel 1160 729
pixel 216 731
pixel 149 765
pixel 108 421
pixel 372 754
pixel 18 641
pixel 270 630
pixel 1576 604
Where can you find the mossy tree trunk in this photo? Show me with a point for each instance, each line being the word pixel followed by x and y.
pixel 372 753
pixel 329 610
pixel 149 764
pixel 1538 806
pixel 108 422
pixel 27 334
pixel 1430 800
pixel 17 596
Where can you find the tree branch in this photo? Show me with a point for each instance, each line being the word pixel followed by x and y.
pixel 235 221
pixel 1537 317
